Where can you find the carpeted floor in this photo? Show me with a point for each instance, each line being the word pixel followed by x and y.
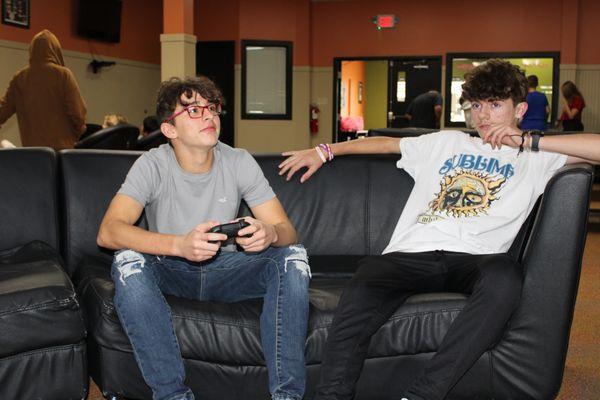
pixel 582 373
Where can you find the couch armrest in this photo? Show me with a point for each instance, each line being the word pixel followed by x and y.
pixel 531 356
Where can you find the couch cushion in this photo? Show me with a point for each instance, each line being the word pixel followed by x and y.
pixel 230 333
pixel 38 308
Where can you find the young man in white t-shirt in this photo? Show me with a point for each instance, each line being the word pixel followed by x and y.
pixel 470 198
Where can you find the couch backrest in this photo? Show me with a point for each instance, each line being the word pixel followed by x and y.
pixel 348 208
pixel 117 137
pixel 28 197
pixel 539 333
pixel 90 179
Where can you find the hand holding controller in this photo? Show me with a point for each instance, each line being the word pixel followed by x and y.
pixel 230 229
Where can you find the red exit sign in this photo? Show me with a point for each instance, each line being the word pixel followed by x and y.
pixel 385 21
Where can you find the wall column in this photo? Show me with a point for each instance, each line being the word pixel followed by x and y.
pixel 178 42
pixel 568 45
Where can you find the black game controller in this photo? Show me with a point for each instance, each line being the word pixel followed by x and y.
pixel 231 229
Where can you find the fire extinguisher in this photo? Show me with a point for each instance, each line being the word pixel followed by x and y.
pixel 314 119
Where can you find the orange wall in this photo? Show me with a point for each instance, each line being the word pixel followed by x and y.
pixel 256 19
pixel 588 48
pixel 344 29
pixel 216 19
pixel 326 29
pixel 353 72
pixel 141 25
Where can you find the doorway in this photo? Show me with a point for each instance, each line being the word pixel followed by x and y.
pixel 374 92
pixel 216 59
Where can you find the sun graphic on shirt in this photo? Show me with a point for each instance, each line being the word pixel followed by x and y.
pixel 466 193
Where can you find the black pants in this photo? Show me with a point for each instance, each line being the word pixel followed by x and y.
pixel 382 283
pixel 572 125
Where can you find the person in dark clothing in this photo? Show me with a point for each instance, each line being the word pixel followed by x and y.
pixel 537 107
pixel 425 110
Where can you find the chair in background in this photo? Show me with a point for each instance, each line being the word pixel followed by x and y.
pixel 118 137
pixel 90 129
pixel 154 139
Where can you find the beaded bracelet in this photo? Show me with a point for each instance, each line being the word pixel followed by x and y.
pixel 321 156
pixel 327 150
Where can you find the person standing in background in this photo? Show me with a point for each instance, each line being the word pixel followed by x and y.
pixel 45 96
pixel 425 110
pixel 573 105
pixel 537 107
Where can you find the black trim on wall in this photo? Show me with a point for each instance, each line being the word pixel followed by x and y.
pixel 288 79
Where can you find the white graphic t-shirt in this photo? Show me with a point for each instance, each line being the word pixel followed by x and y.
pixel 467 196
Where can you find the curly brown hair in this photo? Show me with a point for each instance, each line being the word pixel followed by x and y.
pixel 170 92
pixel 495 79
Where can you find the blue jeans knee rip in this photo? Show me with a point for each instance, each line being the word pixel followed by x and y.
pixel 299 257
pixel 129 262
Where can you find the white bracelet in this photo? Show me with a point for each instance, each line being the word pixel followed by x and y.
pixel 320 153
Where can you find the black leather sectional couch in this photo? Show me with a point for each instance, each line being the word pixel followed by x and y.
pixel 347 210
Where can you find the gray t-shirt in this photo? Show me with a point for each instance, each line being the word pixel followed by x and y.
pixel 176 201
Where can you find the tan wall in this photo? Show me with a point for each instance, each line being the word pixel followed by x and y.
pixel 128 88
pixel 321 90
pixel 275 136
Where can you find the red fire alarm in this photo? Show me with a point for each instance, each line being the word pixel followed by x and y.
pixel 385 21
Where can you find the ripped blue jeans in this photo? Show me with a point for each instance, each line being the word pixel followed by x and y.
pixel 278 275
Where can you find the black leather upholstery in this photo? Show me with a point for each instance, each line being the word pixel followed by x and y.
pixel 28 203
pixel 42 334
pixel 347 210
pixel 117 137
pixel 154 139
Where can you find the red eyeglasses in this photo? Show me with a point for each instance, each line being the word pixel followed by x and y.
pixel 197 111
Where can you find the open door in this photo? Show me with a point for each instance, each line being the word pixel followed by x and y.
pixel 409 78
pixel 216 59
pixel 374 92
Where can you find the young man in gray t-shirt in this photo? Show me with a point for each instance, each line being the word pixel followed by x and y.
pixel 186 188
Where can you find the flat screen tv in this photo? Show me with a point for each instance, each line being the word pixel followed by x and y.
pixel 99 20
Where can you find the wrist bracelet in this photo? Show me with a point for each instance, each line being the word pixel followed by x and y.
pixel 327 151
pixel 321 156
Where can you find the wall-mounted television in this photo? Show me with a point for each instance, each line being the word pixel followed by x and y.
pixel 545 65
pixel 99 20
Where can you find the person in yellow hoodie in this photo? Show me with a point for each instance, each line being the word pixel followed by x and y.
pixel 46 98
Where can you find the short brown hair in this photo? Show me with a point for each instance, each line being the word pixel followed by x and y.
pixel 532 81
pixel 169 93
pixel 495 79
